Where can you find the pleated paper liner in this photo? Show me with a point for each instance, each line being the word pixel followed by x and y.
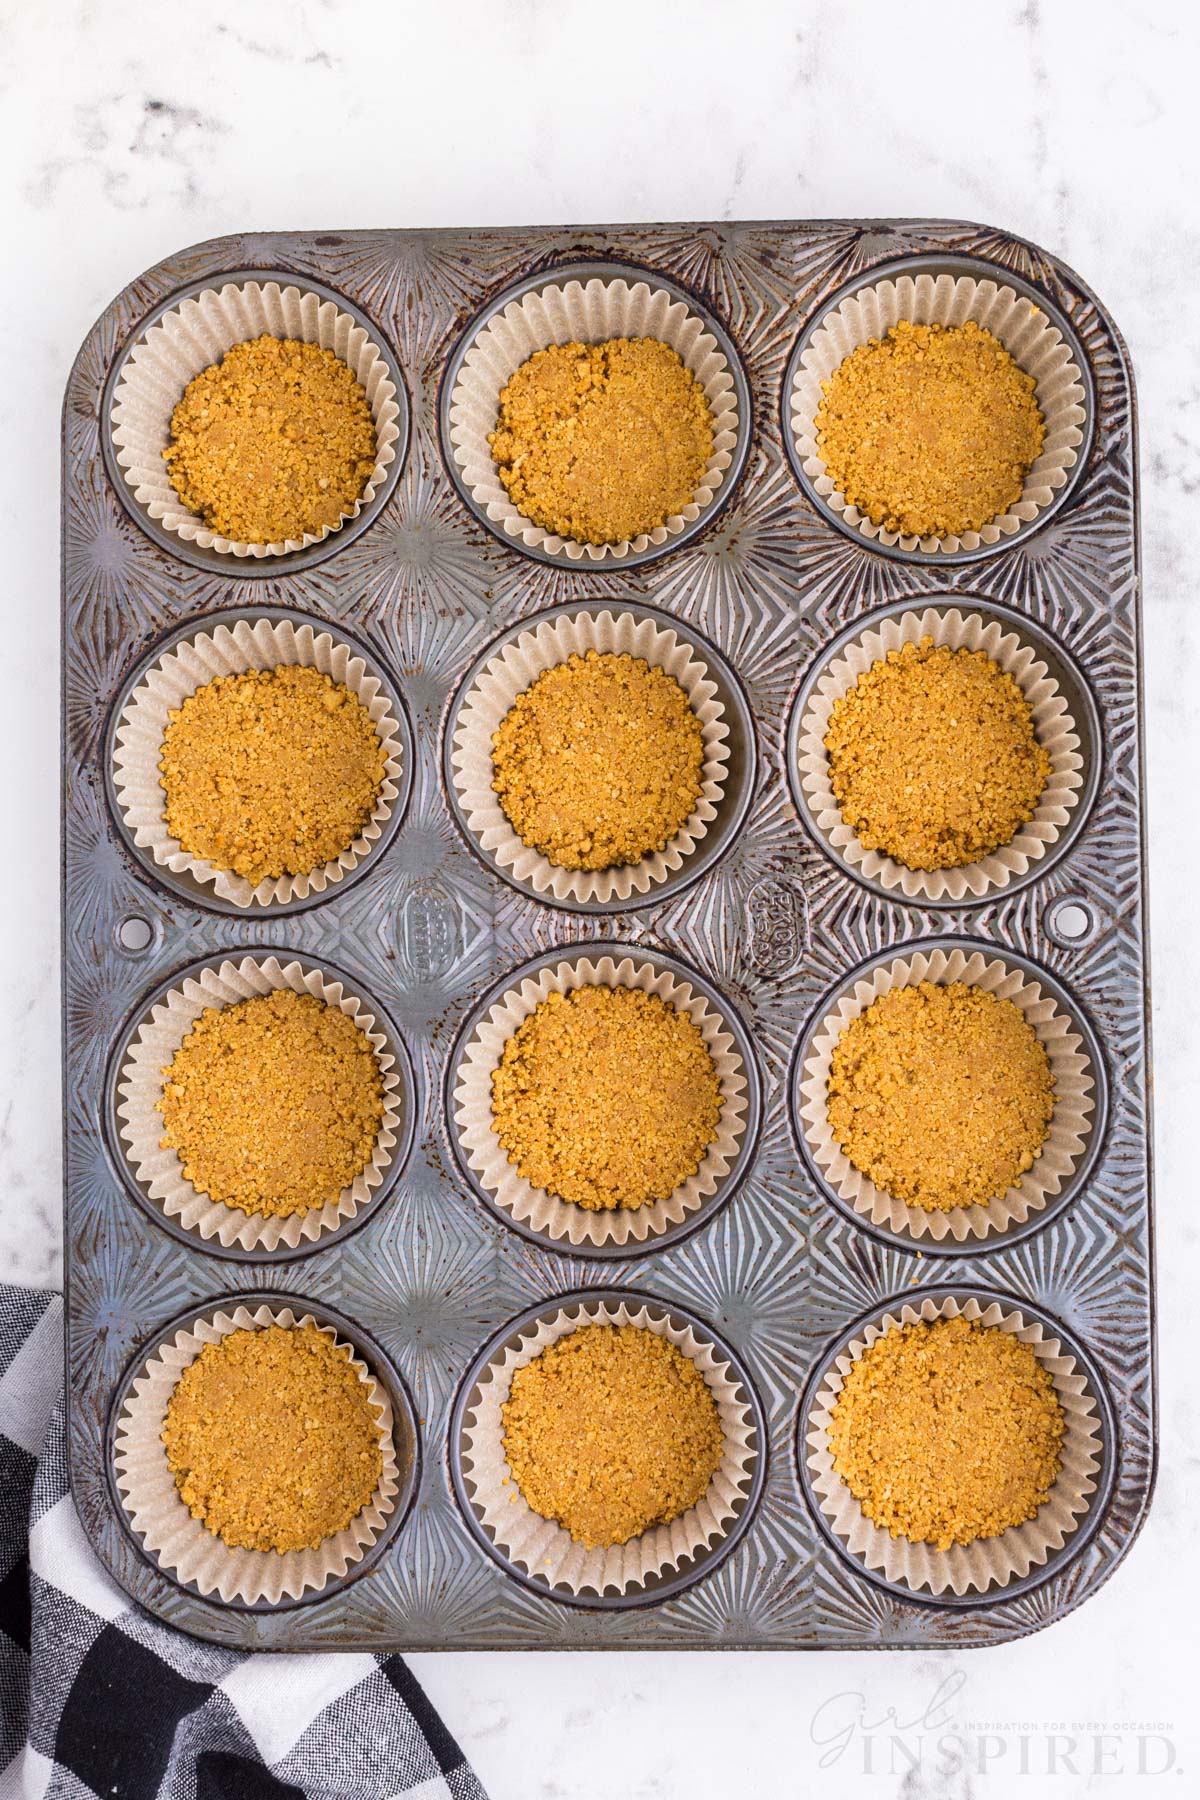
pixel 1070 1127
pixel 192 664
pixel 545 1549
pixel 1055 728
pixel 140 1084
pixel 197 333
pixel 1031 339
pixel 988 1562
pixel 587 312
pixel 507 675
pixel 181 1545
pixel 563 1220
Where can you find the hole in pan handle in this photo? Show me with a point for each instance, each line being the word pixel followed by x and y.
pixel 1070 922
pixel 135 934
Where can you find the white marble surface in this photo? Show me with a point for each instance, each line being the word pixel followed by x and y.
pixel 128 130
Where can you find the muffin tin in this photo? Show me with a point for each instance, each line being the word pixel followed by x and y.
pixel 429 1276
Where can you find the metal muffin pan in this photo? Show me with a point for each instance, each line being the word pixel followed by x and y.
pixel 429 1275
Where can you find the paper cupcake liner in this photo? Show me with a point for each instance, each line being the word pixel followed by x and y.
pixel 1028 335
pixel 988 1562
pixel 545 1212
pixel 1070 1126
pixel 138 743
pixel 491 696
pixel 545 1549
pixel 140 1085
pixel 1055 728
pixel 588 314
pixel 197 333
pixel 183 1546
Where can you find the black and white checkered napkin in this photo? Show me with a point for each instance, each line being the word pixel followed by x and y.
pixel 96 1698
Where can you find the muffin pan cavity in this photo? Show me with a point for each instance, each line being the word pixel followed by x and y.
pixel 507 669
pixel 947 291
pixel 1065 720
pixel 233 644
pixel 193 329
pixel 1076 1130
pixel 545 1218
pixel 442 930
pixel 590 303
pixel 1013 1561
pixel 155 1174
pixel 154 1514
pixel 542 1555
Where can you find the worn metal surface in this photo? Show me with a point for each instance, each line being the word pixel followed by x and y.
pixel 777 1271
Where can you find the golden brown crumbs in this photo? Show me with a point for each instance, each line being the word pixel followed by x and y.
pixel 275 441
pixel 946 1431
pixel 269 773
pixel 933 756
pixel 611 1430
pixel 273 1104
pixel 599 761
pixel 601 442
pixel 943 1095
pixel 606 1097
pixel 272 1439
pixel 931 430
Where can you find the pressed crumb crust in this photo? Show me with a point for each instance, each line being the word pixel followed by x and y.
pixel 274 442
pixel 272 1439
pixel 602 442
pixel 946 1431
pixel 931 430
pixel 606 1097
pixel 933 756
pixel 611 1430
pixel 942 1094
pixel 273 1104
pixel 599 761
pixel 272 772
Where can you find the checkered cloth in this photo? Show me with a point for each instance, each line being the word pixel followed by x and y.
pixel 96 1698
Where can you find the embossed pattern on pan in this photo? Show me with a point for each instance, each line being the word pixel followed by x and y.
pixel 426 927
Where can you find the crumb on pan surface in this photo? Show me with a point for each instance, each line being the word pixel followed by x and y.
pixel 931 430
pixel 272 1439
pixel 933 756
pixel 946 1431
pixel 599 761
pixel 606 1097
pixel 602 442
pixel 942 1094
pixel 273 1104
pixel 271 772
pixel 274 442
pixel 611 1430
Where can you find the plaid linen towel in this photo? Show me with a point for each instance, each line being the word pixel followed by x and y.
pixel 96 1698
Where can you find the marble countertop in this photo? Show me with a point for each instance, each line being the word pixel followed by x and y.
pixel 124 134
